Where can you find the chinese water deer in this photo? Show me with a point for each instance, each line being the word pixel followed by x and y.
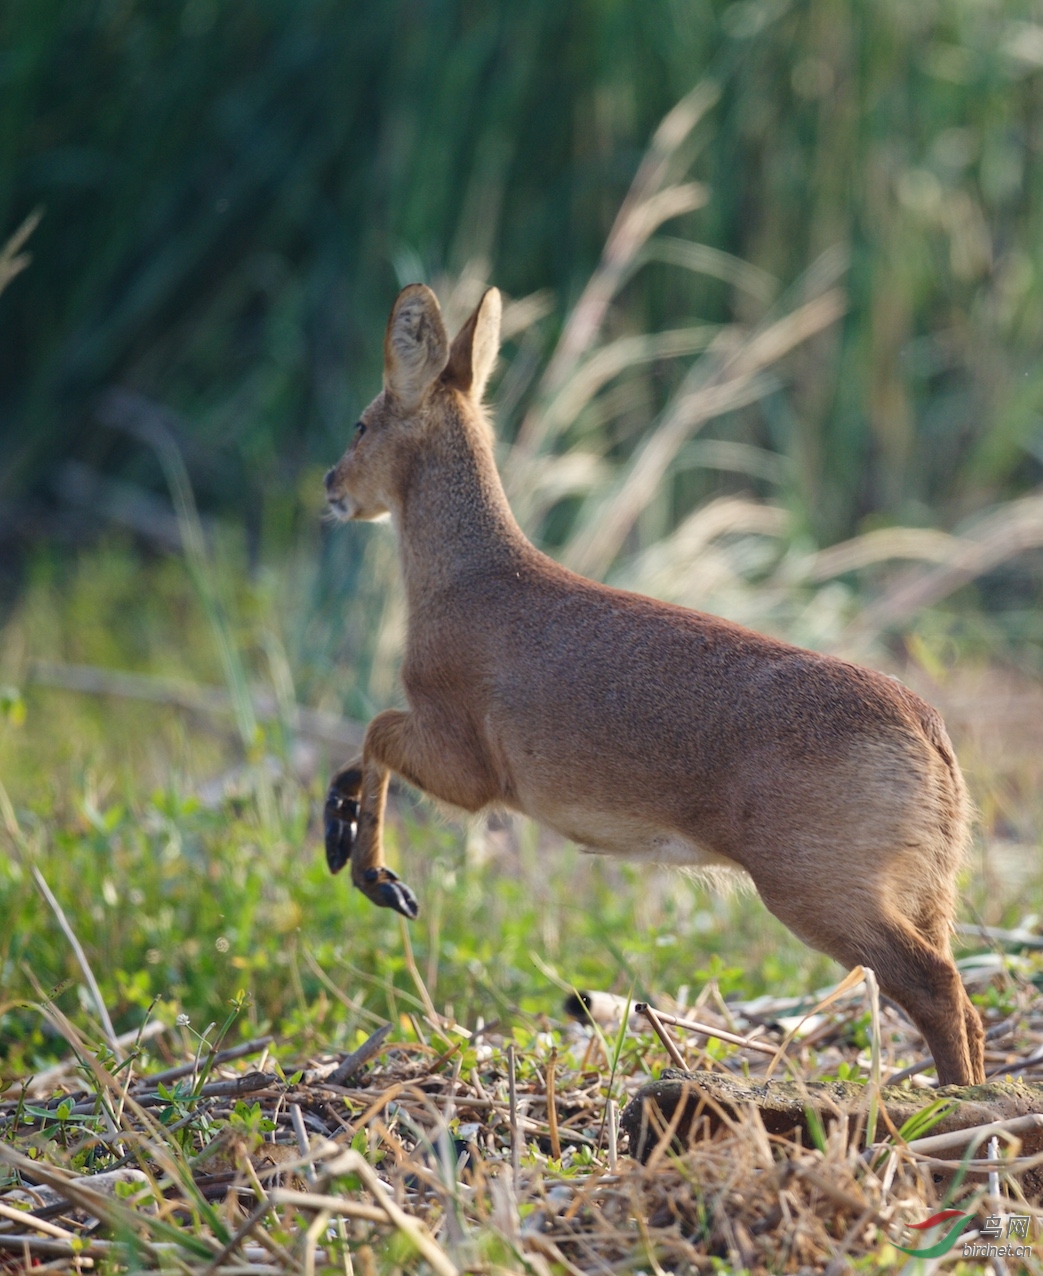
pixel 631 726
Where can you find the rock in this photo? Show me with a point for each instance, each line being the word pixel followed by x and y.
pixel 707 1099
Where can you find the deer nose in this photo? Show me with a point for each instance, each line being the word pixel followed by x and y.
pixel 328 479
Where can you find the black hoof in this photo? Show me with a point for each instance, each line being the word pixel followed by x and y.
pixel 341 819
pixel 383 887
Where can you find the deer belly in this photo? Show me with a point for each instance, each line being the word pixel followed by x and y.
pixel 606 832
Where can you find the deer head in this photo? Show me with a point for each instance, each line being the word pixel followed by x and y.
pixel 420 369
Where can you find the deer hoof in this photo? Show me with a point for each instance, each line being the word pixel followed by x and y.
pixel 383 887
pixel 341 818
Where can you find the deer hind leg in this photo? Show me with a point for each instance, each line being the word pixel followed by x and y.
pixel 934 927
pixel 431 759
pixel 921 977
pixel 975 1039
pixel 925 982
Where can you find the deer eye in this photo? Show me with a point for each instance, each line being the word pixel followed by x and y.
pixel 360 429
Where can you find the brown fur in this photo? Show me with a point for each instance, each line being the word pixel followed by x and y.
pixel 635 727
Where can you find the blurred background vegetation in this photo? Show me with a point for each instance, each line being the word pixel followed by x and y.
pixel 760 363
pixel 231 195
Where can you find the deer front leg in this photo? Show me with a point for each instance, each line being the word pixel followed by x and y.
pixel 341 814
pixel 354 817
pixel 434 759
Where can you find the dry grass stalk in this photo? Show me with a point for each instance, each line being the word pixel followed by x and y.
pixel 12 260
pixel 81 959
pixel 38 1224
pixel 616 357
pixel 657 1026
pixel 723 381
pixel 976 1134
pixel 1010 530
pixel 732 373
pixel 552 1109
pixel 707 1030
pixel 650 201
pixel 705 260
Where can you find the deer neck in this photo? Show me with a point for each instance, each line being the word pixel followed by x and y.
pixel 453 519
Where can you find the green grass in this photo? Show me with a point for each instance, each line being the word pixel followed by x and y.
pixel 156 885
pixel 192 905
pixel 195 899
pixel 208 906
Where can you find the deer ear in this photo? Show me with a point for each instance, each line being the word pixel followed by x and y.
pixel 477 344
pixel 415 345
